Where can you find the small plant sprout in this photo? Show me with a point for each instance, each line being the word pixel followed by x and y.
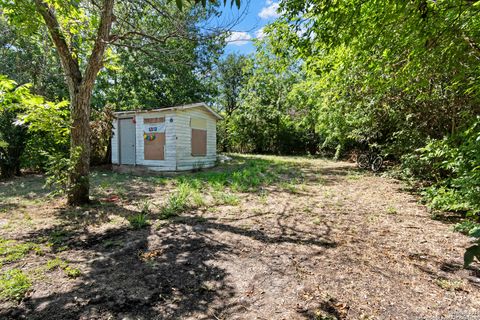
pixel 391 210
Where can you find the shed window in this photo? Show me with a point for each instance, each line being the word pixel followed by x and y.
pixel 199 136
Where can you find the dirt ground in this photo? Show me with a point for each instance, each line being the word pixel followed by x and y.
pixel 340 244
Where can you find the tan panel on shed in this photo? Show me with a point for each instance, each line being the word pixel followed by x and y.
pixel 154 120
pixel 155 149
pixel 199 142
pixel 198 123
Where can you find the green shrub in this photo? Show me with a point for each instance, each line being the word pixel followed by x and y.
pixel 465 226
pixel 14 284
pixel 58 169
pixel 454 163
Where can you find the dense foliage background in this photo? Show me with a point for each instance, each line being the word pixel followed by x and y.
pixel 332 77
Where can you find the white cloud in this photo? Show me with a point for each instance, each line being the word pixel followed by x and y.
pixel 260 33
pixel 270 11
pixel 238 38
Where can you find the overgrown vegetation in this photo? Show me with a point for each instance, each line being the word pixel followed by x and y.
pixel 340 77
pixel 14 284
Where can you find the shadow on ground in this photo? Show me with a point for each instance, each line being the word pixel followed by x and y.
pixel 171 272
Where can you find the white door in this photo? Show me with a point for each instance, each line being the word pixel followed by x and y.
pixel 127 141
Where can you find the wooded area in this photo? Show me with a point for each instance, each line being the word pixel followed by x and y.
pixel 328 79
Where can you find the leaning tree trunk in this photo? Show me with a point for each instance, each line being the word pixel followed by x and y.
pixel 78 180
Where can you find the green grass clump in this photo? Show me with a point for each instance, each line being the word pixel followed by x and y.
pixel 57 239
pixel 226 198
pixel 11 250
pixel 139 220
pixel 391 210
pixel 14 284
pixel 180 200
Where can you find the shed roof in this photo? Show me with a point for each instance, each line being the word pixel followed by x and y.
pixel 182 107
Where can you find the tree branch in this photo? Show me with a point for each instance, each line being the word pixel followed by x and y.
pixel 95 62
pixel 70 65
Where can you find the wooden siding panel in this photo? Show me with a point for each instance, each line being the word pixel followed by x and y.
pixel 185 160
pixel 115 155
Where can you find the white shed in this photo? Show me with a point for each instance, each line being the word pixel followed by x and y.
pixel 167 139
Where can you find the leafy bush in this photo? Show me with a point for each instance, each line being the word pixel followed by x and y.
pixel 473 252
pixel 14 284
pixel 466 226
pixel 58 169
pixel 13 135
pixel 454 163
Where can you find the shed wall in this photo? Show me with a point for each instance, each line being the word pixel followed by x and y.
pixel 115 156
pixel 185 160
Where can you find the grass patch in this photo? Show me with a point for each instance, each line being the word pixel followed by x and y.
pixel 11 250
pixel 58 263
pixel 72 272
pixel 225 198
pixel 14 284
pixel 138 221
pixel 179 201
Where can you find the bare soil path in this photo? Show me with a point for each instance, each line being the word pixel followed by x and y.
pixel 323 242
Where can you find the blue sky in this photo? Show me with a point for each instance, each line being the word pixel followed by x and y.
pixel 253 15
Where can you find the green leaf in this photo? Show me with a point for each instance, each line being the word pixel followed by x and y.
pixel 475 232
pixel 179 4
pixel 470 254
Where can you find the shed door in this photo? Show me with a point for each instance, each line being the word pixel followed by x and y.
pixel 127 141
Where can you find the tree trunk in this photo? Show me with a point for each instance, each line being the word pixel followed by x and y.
pixel 78 180
pixel 80 90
